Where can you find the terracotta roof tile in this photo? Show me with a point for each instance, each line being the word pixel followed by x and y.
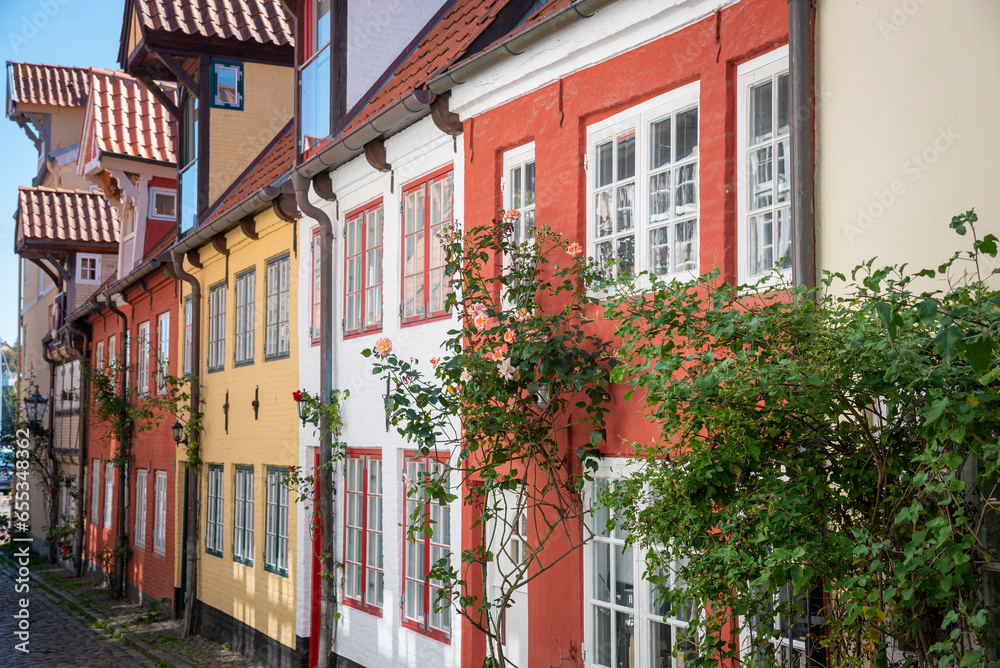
pixel 442 46
pixel 260 21
pixel 126 119
pixel 50 214
pixel 272 163
pixel 54 85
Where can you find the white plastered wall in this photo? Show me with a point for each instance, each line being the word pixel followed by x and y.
pixel 413 153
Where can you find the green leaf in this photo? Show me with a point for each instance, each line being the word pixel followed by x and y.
pixel 979 353
pixel 928 310
pixel 988 245
pixel 596 436
pixel 946 342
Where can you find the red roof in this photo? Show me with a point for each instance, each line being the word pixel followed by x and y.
pixel 75 216
pixel 266 169
pixel 53 85
pixel 124 118
pixel 260 21
pixel 441 47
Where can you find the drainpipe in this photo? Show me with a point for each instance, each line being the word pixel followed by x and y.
pixel 81 474
pixel 327 383
pixel 124 445
pixel 191 540
pixel 800 49
pixel 53 465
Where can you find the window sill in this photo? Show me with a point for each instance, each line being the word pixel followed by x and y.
pixel 217 369
pixel 371 610
pixel 419 321
pixel 359 334
pixel 214 553
pixel 276 571
pixel 237 365
pixel 434 635
pixel 272 358
pixel 243 562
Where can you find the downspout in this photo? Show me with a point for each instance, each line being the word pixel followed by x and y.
pixel 81 474
pixel 53 465
pixel 191 540
pixel 327 383
pixel 800 74
pixel 124 445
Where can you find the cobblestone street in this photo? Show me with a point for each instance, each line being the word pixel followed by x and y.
pixel 74 624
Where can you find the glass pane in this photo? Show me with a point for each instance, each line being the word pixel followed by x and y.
pixel 602 221
pixel 784 244
pixel 624 576
pixel 625 253
pixel 659 197
pixel 684 197
pixel 625 640
pixel 659 645
pixel 189 197
pixel 322 9
pixel 603 167
pixel 687 133
pixel 516 195
pixel 761 258
pixel 315 97
pixel 783 107
pixel 600 512
pixel 602 637
pixel 659 143
pixel 602 571
pixel 760 178
pixel 603 254
pixel 760 112
pixel 685 251
pixel 626 205
pixel 783 183
pixel 659 251
pixel 226 81
pixel 626 156
pixel 529 184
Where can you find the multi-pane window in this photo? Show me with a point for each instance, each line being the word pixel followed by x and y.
pixel 162 203
pixel 142 372
pixel 95 494
pixel 276 523
pixel 246 287
pixel 139 532
pixel 765 216
pixel 160 514
pixel 314 100
pixel 363 568
pixel 217 327
pixel 187 173
pixel 227 84
pixel 113 360
pixel 778 636
pixel 277 338
pixel 427 211
pixel 519 190
pixel 643 186
pixel 421 609
pixel 88 268
pixel 187 335
pixel 314 330
pixel 631 622
pixel 162 350
pixel 243 515
pixel 363 270
pixel 109 491
pixel 215 506
pixel 99 355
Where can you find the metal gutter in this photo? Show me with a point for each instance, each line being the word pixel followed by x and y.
pixel 516 44
pixel 397 116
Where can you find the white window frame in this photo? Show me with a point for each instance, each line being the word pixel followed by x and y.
pixel 512 159
pixel 639 119
pixel 113 350
pixel 99 362
pixel 160 516
pixel 162 350
pixel 142 365
pixel 215 509
pixel 79 269
pixel 151 213
pixel 95 501
pixel 612 469
pixel 243 520
pixel 245 317
pixel 187 335
pixel 276 525
pixel 217 326
pixel 109 491
pixel 752 72
pixel 139 532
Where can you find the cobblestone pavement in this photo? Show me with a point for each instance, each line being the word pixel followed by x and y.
pixel 74 624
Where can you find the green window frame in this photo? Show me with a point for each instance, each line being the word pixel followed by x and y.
pixel 277 327
pixel 227 85
pixel 276 524
pixel 215 509
pixel 243 515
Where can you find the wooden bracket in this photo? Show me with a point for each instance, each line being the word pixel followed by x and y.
pixel 375 155
pixel 178 71
pixel 194 258
pixel 161 97
pixel 323 185
pixel 446 121
pixel 284 208
pixel 219 244
pixel 248 226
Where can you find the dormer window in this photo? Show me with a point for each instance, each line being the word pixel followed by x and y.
pixel 88 269
pixel 161 203
pixel 227 85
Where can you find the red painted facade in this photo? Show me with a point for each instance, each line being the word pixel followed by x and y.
pixel 153 449
pixel 556 118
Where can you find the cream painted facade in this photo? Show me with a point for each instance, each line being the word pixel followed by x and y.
pixel 906 133
pixel 238 136
pixel 253 595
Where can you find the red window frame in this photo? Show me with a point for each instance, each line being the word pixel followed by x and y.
pixel 360 254
pixel 314 288
pixel 426 544
pixel 428 255
pixel 363 525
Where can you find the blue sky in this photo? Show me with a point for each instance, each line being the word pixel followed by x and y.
pixel 56 32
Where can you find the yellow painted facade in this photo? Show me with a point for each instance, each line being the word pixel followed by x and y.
pixel 238 136
pixel 261 599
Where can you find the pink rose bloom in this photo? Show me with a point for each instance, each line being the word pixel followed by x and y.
pixel 574 249
pixel 505 369
pixel 480 321
pixel 510 336
pixel 383 347
pixel 435 361
pixel 514 214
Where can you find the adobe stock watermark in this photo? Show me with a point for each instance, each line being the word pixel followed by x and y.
pixel 913 169
pixel 31 23
pixel 22 553
pixel 899 16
